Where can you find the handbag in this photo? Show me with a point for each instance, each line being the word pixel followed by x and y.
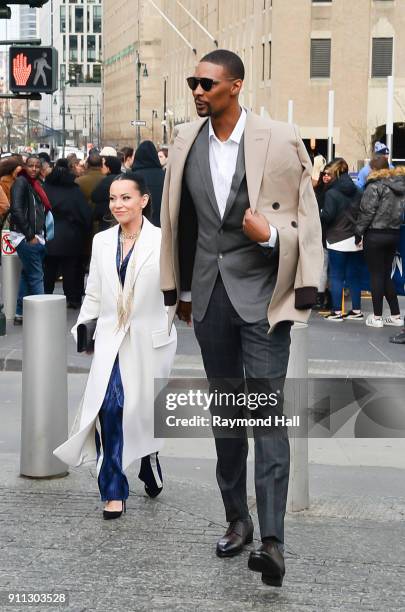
pixel 85 333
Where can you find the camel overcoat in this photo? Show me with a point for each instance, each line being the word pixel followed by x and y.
pixel 278 175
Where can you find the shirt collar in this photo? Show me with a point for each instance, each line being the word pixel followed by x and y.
pixel 238 130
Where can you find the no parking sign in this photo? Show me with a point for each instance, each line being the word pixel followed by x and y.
pixel 6 246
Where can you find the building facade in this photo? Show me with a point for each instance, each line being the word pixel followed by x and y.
pixel 74 28
pixel 297 50
pixel 132 71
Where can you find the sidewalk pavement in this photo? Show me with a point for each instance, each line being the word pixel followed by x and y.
pixel 335 349
pixel 343 554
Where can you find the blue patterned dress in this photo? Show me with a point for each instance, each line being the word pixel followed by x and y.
pixel 112 482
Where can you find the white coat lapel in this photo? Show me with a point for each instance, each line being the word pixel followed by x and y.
pixel 110 258
pixel 142 251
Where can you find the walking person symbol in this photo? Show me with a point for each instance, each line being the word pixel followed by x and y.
pixel 40 65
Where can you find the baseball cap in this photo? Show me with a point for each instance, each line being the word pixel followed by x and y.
pixel 381 149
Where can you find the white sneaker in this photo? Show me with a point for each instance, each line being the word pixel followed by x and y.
pixel 393 321
pixel 372 321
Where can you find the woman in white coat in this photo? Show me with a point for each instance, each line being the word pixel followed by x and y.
pixel 132 348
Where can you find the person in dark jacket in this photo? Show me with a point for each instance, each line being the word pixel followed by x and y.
pixel 379 222
pixel 147 164
pixel 111 168
pixel 340 207
pixel 72 217
pixel 28 209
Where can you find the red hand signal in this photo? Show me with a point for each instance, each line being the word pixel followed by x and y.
pixel 21 70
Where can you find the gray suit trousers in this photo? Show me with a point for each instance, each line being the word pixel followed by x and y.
pixel 235 354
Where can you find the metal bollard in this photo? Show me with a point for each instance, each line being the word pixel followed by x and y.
pixel 11 271
pixel 44 418
pixel 296 399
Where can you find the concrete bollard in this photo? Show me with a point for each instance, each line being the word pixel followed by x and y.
pixel 11 271
pixel 44 418
pixel 296 401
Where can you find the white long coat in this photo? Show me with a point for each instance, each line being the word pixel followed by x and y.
pixel 146 350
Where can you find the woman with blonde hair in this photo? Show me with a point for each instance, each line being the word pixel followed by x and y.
pixel 338 216
pixel 378 225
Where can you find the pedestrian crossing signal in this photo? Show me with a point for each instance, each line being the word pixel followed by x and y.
pixel 33 69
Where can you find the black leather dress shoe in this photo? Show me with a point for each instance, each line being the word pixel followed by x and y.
pixel 270 562
pixel 237 535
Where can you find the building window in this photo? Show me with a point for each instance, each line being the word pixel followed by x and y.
pixel 97 19
pixel 91 48
pixel 320 58
pixel 381 64
pixel 63 18
pixel 269 59
pixel 76 74
pixel 73 49
pixel 79 23
pixel 97 73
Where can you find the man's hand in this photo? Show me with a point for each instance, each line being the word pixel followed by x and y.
pixel 184 310
pixel 256 227
pixel 34 241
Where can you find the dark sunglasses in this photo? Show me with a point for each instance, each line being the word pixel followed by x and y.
pixel 206 84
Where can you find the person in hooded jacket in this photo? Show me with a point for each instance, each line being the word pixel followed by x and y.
pixel 147 164
pixel 73 220
pixel 378 224
pixel 338 214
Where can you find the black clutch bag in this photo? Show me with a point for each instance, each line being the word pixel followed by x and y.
pixel 85 333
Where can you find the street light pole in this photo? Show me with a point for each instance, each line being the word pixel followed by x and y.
pixel 138 98
pixel 139 65
pixel 8 119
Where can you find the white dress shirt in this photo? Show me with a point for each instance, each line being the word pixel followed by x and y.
pixel 223 156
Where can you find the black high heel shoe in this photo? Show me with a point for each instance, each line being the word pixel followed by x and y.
pixel 151 474
pixel 108 514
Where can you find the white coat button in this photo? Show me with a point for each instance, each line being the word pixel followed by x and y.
pixel 220 256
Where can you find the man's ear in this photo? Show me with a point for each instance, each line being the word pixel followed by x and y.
pixel 236 87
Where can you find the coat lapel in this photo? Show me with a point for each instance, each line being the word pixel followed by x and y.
pixel 179 153
pixel 203 157
pixel 142 251
pixel 109 258
pixel 257 141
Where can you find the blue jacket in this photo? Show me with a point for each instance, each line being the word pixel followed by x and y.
pixel 362 176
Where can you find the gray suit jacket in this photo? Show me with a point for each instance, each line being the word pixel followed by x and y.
pixel 218 245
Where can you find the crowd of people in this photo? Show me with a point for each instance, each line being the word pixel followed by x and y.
pixel 53 211
pixel 361 222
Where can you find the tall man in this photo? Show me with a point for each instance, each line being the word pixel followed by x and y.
pixel 241 231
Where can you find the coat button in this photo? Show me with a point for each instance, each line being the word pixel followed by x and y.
pixel 276 205
pixel 294 223
pixel 221 231
pixel 220 256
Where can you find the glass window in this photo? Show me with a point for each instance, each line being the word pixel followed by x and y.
pixel 97 73
pixel 76 73
pixel 73 49
pixel 91 48
pixel 79 24
pixel 63 18
pixel 97 19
